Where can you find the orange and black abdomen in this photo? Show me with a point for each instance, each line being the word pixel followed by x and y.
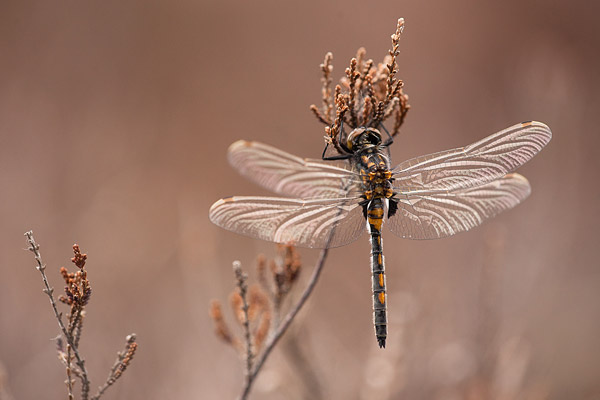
pixel 373 167
pixel 375 211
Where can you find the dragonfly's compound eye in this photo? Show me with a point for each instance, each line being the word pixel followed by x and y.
pixel 353 140
pixel 372 136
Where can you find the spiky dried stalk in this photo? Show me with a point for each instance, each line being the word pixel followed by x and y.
pixel 367 95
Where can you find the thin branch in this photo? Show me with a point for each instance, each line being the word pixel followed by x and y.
pixel 352 75
pixel 327 97
pixel 340 110
pixel 123 360
pixel 400 114
pixel 35 249
pixel 367 110
pixel 319 116
pixel 221 329
pixel 243 287
pixel 69 379
pixel 393 86
pixel 79 328
pixel 285 323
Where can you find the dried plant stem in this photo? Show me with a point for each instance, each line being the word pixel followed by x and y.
pixel 392 84
pixel 319 116
pixel 108 382
pixel 78 328
pixel 69 379
pixel 123 360
pixel 353 75
pixel 400 114
pixel 85 383
pixel 285 323
pixel 243 287
pixel 327 99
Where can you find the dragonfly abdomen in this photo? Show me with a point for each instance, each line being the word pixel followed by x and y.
pixel 375 220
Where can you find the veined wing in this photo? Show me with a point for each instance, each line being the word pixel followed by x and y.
pixel 289 175
pixel 474 165
pixel 319 223
pixel 437 214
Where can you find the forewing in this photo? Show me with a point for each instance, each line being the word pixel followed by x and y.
pixel 289 175
pixel 474 165
pixel 440 214
pixel 318 223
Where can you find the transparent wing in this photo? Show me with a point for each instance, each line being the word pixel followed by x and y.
pixel 474 165
pixel 318 223
pixel 441 214
pixel 289 175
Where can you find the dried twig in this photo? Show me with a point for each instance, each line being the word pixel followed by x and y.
pixel 221 328
pixel 285 323
pixel 318 114
pixel 352 75
pixel 243 291
pixel 326 68
pixel 401 112
pixel 85 383
pixel 123 360
pixel 392 84
pixel 341 106
pixel 77 295
pixel 285 272
pixel 252 311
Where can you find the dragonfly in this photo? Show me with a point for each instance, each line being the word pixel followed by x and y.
pixel 331 203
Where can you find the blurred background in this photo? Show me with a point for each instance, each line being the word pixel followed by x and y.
pixel 115 118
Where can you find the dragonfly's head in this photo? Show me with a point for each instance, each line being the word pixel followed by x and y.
pixel 361 138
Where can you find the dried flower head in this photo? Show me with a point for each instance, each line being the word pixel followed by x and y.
pixel 366 96
pixel 256 308
pixel 262 330
pixel 78 290
pixel 286 269
pixel 79 259
pixel 258 302
pixel 256 299
pixel 221 329
pixel 251 307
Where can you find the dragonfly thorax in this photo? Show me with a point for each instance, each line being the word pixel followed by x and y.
pixel 374 169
